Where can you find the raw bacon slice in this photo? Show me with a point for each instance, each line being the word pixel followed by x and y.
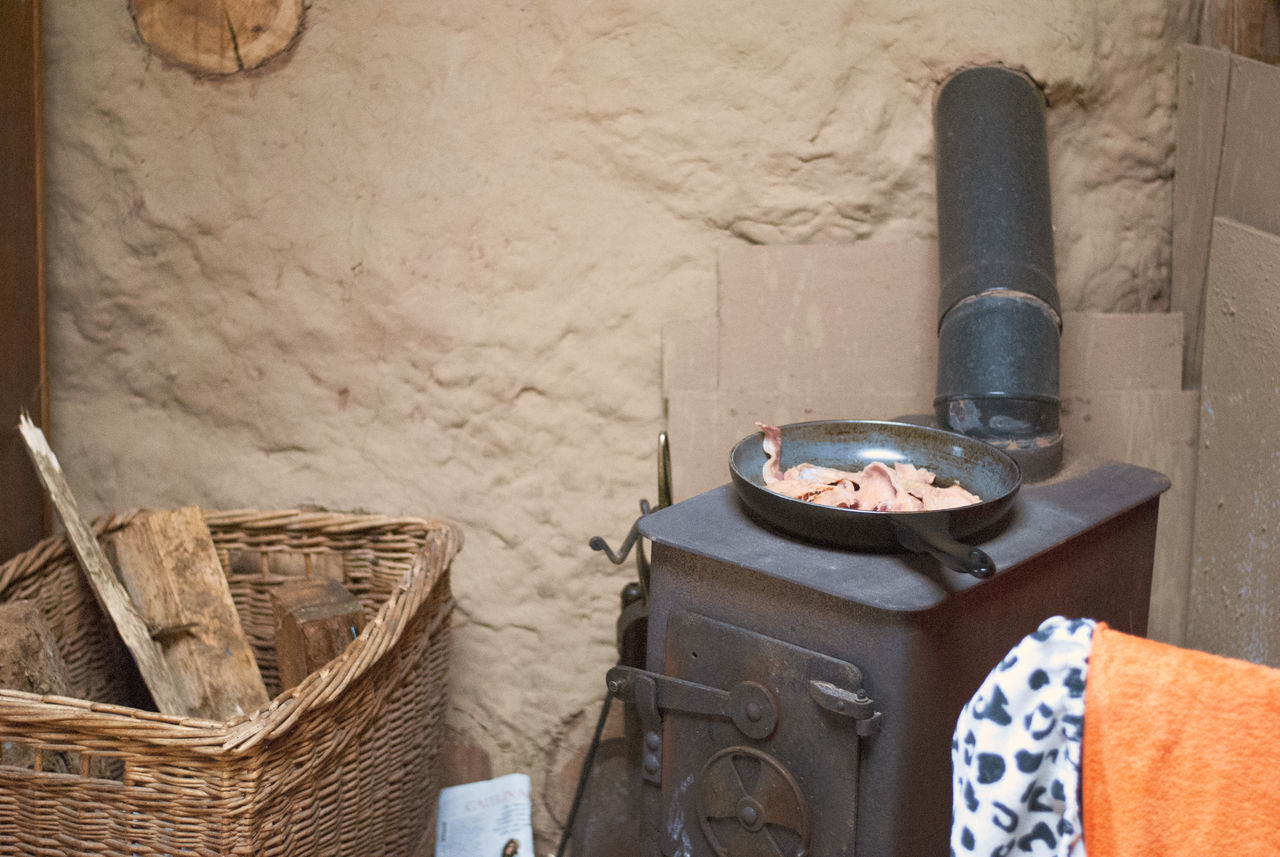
pixel 877 487
pixel 773 449
pixel 843 494
pixel 881 491
pixel 801 489
pixel 814 473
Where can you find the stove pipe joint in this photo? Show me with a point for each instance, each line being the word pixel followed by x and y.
pixel 999 315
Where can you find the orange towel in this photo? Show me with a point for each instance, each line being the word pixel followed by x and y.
pixel 1181 752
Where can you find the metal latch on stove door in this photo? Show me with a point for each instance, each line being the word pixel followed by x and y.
pixel 855 705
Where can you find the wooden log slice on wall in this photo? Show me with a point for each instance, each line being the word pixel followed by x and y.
pixel 218 36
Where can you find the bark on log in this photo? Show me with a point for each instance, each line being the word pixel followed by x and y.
pixel 30 662
pixel 29 659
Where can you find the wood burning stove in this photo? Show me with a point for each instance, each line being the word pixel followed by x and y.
pixel 799 699
pixel 796 699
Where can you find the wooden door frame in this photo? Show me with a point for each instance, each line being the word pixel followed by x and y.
pixel 24 513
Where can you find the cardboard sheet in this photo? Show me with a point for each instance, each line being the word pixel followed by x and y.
pixel 1224 166
pixel 849 332
pixel 1234 584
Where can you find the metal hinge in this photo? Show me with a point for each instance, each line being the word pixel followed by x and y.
pixel 750 706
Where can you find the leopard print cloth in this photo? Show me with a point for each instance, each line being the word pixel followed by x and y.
pixel 1015 755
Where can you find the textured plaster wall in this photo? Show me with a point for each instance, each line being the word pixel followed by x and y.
pixel 420 264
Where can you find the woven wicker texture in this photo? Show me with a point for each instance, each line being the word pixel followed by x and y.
pixel 345 763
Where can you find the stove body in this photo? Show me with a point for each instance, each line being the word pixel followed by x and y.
pixel 798 699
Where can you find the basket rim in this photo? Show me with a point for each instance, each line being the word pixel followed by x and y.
pixel 239 735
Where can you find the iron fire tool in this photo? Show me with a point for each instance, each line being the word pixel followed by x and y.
pixel 632 622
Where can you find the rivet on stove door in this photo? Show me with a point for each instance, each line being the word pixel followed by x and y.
pixel 753 709
pixel 651 761
pixel 750 815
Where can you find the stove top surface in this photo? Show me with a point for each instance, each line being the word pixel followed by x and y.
pixel 1086 493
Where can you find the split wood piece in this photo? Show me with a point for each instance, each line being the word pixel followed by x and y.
pixel 29 658
pixel 166 689
pixel 218 36
pixel 315 621
pixel 30 662
pixel 169 565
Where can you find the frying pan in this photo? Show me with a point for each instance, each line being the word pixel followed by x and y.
pixel 852 445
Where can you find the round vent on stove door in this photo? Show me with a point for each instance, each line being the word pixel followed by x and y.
pixel 749 805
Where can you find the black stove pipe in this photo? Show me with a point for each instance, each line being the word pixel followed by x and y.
pixel 999 316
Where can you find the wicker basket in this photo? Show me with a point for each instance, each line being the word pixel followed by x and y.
pixel 345 763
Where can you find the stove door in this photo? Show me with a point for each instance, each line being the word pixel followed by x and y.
pixel 774 771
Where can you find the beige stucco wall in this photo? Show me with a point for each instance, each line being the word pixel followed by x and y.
pixel 420 264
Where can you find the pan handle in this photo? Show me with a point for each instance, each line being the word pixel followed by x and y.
pixel 930 535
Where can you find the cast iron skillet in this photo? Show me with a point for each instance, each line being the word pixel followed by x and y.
pixel 852 445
